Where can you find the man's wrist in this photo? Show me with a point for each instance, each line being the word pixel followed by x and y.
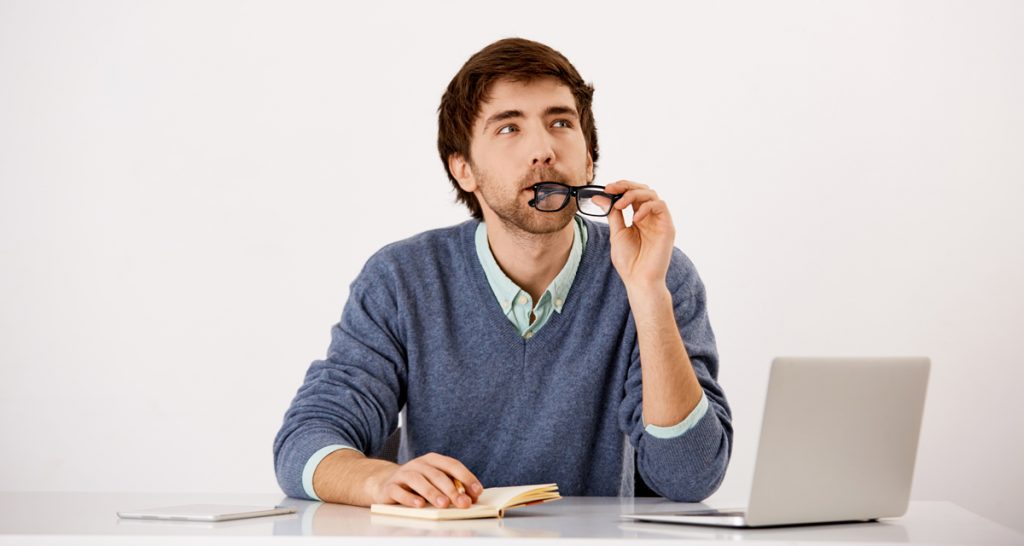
pixel 348 477
pixel 377 473
pixel 647 295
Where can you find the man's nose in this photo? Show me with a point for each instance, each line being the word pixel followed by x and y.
pixel 542 148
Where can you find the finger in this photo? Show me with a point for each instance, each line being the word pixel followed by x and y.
pixel 405 497
pixel 634 197
pixel 421 485
pixel 603 201
pixel 642 211
pixel 620 186
pixel 444 482
pixel 464 499
pixel 616 222
pixel 455 468
pixel 649 208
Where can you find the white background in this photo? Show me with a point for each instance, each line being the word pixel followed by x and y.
pixel 187 188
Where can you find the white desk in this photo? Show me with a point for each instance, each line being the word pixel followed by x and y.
pixel 89 518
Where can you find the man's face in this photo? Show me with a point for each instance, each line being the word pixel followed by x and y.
pixel 526 133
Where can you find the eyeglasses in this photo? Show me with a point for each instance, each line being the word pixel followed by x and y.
pixel 590 200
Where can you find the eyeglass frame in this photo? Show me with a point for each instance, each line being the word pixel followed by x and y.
pixel 574 191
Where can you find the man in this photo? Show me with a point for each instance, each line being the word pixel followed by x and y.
pixel 532 347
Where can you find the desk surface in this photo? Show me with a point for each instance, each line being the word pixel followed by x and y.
pixel 90 518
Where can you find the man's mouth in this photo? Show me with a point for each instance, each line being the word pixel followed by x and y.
pixel 532 184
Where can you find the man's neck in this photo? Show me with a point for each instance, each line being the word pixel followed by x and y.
pixel 530 260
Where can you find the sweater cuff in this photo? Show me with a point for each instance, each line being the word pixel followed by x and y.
pixel 313 462
pixel 679 428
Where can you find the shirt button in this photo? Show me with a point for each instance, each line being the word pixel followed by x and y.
pixel 528 335
pixel 522 300
pixel 558 302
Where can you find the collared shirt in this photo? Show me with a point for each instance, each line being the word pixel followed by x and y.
pixel 517 304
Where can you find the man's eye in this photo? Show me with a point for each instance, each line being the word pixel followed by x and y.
pixel 566 122
pixel 502 130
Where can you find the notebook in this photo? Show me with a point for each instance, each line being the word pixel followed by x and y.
pixel 492 503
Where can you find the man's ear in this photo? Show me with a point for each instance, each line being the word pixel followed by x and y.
pixel 590 168
pixel 462 172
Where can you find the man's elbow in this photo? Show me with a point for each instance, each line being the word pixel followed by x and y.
pixel 700 487
pixel 695 479
pixel 288 470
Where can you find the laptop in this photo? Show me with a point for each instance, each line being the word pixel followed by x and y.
pixel 838 444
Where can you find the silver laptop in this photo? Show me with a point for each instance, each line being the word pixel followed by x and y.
pixel 838 444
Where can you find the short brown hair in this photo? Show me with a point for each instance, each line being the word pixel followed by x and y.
pixel 514 59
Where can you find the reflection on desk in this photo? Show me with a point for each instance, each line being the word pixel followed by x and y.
pixel 883 532
pixel 74 518
pixel 323 519
pixel 491 527
pixel 598 518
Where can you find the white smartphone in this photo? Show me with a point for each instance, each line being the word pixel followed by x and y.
pixel 206 512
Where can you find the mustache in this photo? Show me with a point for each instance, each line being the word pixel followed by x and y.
pixel 544 175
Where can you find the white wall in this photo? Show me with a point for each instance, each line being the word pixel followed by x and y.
pixel 187 188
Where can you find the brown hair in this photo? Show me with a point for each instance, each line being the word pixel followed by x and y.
pixel 515 59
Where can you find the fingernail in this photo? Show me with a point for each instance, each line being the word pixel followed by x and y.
pixel 477 488
pixel 441 501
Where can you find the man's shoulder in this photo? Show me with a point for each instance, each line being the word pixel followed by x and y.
pixel 439 239
pixel 423 251
pixel 682 275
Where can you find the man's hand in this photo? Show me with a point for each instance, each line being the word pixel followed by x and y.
pixel 426 480
pixel 348 477
pixel 641 252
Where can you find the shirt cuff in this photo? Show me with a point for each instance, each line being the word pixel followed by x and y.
pixel 311 464
pixel 679 428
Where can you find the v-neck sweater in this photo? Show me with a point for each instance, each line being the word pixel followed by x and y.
pixel 423 334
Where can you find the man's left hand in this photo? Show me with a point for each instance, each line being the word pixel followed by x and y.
pixel 640 252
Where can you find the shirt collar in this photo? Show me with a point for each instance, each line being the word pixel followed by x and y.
pixel 507 291
pixel 502 286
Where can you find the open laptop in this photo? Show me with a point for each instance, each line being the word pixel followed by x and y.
pixel 838 444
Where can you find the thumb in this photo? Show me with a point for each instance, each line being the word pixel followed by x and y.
pixel 616 222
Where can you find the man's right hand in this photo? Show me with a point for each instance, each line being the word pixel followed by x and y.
pixel 428 479
pixel 348 477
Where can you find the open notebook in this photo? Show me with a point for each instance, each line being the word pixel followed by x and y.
pixel 492 503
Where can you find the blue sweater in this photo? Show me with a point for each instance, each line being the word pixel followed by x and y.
pixel 422 331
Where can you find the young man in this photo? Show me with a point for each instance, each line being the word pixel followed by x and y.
pixel 527 345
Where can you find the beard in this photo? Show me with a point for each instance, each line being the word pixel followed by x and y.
pixel 511 206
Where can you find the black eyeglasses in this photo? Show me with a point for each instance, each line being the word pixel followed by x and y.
pixel 590 200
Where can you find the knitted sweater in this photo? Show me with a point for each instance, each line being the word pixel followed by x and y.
pixel 423 334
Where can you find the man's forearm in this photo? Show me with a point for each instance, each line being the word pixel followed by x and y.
pixel 670 387
pixel 349 477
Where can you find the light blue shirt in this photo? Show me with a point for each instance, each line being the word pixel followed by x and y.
pixel 518 306
pixel 516 302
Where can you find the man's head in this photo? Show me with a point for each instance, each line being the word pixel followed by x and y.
pixel 517 113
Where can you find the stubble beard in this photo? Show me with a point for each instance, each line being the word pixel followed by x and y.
pixel 515 214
